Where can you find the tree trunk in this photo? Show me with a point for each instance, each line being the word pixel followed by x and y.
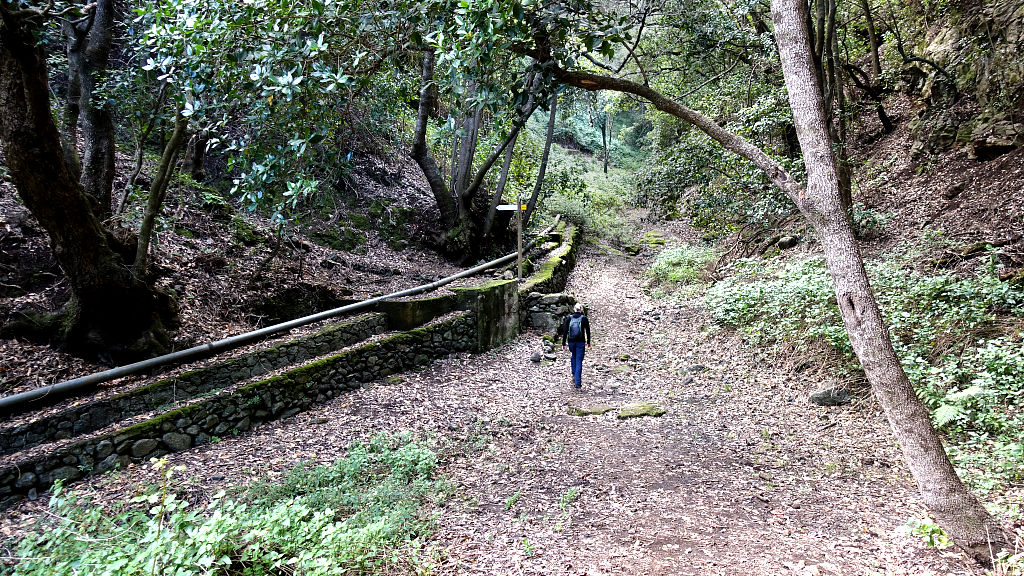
pixel 72 100
pixel 420 152
pixel 111 312
pixel 157 193
pixel 604 140
pixel 548 138
pixel 500 190
pixel 873 43
pixel 194 163
pixel 97 123
pixel 954 507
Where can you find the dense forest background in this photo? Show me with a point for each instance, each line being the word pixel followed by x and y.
pixel 178 172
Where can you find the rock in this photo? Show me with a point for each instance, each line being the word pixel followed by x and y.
pixel 535 357
pixel 640 410
pixel 25 480
pixel 550 357
pixel 696 369
pixel 177 442
pixel 595 410
pixel 68 473
pixel 830 396
pixel 111 462
pixel 953 191
pixel 143 447
pixel 686 381
pixel 104 448
pixel 787 242
pixel 507 275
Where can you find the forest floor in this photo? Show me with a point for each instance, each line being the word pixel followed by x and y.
pixel 741 475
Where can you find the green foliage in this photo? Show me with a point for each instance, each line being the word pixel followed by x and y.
pixel 349 518
pixel 867 223
pixel 716 189
pixel 927 530
pixel 577 189
pixel 946 331
pixel 684 264
pixel 292 75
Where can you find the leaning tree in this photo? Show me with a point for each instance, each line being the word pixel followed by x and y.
pixel 568 39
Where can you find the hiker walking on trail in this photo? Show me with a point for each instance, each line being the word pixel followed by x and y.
pixel 576 332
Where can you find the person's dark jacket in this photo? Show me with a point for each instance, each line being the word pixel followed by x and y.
pixel 584 329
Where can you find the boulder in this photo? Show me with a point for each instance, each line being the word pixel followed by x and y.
pixel 831 396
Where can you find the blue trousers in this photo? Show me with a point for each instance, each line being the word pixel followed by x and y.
pixel 578 350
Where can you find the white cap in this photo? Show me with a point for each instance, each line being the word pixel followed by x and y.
pixel 578 307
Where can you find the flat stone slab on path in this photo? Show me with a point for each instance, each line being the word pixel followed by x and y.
pixel 640 409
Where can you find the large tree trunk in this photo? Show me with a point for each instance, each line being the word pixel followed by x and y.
pixel 954 507
pixel 111 312
pixel 97 123
pixel 456 209
pixel 420 152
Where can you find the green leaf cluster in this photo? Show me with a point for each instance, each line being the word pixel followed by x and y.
pixel 948 331
pixel 361 515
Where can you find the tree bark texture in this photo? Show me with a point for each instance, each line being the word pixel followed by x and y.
pixel 420 152
pixel 549 137
pixel 111 311
pixel 97 122
pixel 954 507
pixel 157 193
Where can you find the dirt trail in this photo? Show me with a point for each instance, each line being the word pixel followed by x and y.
pixel 740 476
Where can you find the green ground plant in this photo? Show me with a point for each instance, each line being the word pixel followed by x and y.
pixel 683 264
pixel 959 339
pixel 363 514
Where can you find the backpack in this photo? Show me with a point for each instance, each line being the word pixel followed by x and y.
pixel 575 327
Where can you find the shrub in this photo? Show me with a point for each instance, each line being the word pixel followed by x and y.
pixel 682 265
pixel 349 518
pixel 945 329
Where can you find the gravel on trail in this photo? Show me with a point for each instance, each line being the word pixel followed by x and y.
pixel 740 475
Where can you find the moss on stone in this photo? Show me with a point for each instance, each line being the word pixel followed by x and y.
pixel 640 410
pixel 595 410
pixel 141 428
pixel 343 239
pixel 654 238
pixel 408 314
pixel 244 232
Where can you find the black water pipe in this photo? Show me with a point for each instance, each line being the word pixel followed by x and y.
pixel 61 388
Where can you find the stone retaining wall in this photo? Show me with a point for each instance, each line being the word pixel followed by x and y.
pixel 232 412
pixel 93 416
pixel 542 305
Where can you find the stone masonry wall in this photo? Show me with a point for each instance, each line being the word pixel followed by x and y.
pixel 92 416
pixel 230 412
pixel 542 305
